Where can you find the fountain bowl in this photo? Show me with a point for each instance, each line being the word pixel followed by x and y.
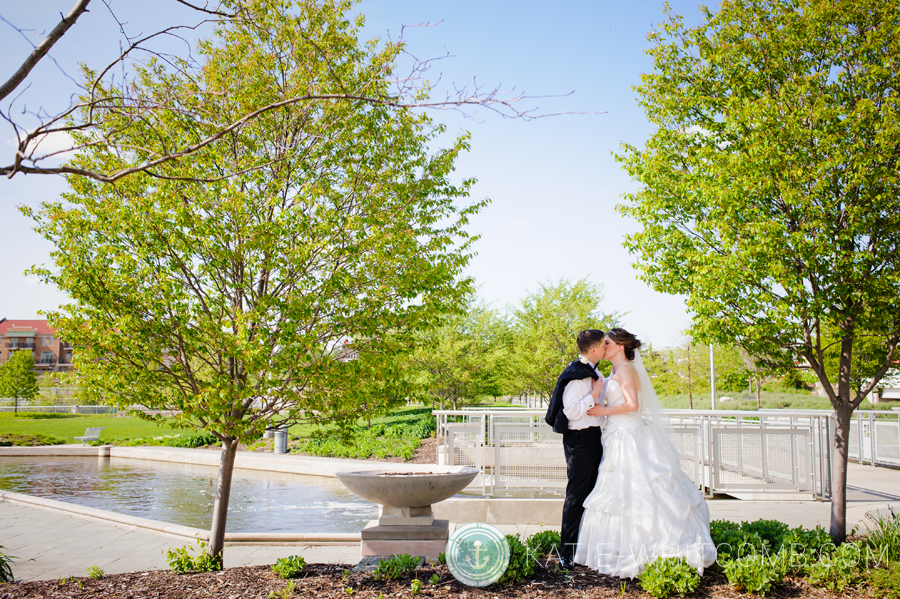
pixel 408 489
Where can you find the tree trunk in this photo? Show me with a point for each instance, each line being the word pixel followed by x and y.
pixel 758 401
pixel 839 475
pixel 223 495
pixel 16 406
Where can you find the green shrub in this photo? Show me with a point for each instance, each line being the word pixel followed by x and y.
pixel 886 582
pixel 805 547
pixel 285 593
pixel 289 567
pixel 416 587
pixel 543 543
pixel 181 561
pixel 756 573
pixel 6 574
pixel 883 537
pixel 96 572
pixel 665 577
pixel 521 565
pixel 732 541
pixel 840 569
pixel 30 439
pixel 395 566
pixel 396 434
pixel 191 441
pixel 770 531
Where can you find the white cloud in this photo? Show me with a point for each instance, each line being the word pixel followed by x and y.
pixel 50 143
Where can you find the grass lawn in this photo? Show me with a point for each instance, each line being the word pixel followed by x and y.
pixel 68 428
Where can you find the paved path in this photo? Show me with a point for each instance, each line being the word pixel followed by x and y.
pixel 50 544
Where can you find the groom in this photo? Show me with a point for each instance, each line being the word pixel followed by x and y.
pixel 577 389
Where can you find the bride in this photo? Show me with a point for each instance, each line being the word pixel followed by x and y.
pixel 643 506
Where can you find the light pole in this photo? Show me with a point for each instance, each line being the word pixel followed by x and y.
pixel 712 375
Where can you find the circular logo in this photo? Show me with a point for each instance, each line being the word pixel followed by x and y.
pixel 477 554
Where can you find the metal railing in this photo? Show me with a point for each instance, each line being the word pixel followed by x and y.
pixel 62 409
pixel 875 437
pixel 722 451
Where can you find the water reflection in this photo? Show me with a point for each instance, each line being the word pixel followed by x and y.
pixel 184 493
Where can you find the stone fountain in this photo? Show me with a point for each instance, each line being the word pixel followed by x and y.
pixel 406 522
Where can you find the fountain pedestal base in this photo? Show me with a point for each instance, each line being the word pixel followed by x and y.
pixel 423 541
pixel 406 516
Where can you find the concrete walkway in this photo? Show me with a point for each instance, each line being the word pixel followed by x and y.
pixel 50 544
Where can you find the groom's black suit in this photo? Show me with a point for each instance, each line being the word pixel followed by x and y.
pixel 583 452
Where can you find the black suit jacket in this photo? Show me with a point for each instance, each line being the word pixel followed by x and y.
pixel 555 416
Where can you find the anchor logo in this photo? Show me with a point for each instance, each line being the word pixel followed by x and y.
pixel 477 554
pixel 478 564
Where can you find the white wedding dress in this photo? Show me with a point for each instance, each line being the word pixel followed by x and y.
pixel 643 506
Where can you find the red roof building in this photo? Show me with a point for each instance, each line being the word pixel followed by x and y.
pixel 50 354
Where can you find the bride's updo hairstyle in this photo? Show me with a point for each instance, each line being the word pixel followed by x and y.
pixel 628 341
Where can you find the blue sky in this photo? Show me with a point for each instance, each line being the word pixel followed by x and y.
pixel 553 182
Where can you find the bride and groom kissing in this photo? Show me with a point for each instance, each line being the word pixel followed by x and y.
pixel 627 500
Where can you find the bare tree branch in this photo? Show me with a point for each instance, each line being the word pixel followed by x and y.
pixel 41 50
pixel 206 10
pixel 104 94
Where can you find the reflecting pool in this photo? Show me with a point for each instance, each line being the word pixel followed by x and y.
pixel 184 493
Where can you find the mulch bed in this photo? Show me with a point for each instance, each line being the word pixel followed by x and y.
pixel 332 581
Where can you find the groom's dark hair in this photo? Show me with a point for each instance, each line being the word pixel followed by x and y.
pixel 588 338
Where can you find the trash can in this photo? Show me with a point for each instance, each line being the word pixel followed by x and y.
pixel 281 439
pixel 270 432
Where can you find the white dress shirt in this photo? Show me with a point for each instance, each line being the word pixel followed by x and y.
pixel 577 400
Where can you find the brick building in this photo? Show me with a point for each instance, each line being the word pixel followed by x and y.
pixel 50 354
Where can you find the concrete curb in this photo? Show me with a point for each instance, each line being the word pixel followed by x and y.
pixel 177 530
pixel 55 450
pixel 291 464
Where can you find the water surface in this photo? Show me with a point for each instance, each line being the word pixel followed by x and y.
pixel 184 493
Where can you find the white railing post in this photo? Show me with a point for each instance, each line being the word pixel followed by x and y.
pixel 872 437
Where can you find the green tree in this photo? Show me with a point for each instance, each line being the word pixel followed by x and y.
pixel 660 369
pixel 18 379
pixel 686 371
pixel 546 325
pixel 769 191
pixel 869 353
pixel 289 291
pixel 464 359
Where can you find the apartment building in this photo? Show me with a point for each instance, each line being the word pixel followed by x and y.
pixel 50 354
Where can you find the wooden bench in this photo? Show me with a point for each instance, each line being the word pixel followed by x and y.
pixel 91 434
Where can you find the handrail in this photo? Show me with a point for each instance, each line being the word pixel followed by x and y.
pixel 706 434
